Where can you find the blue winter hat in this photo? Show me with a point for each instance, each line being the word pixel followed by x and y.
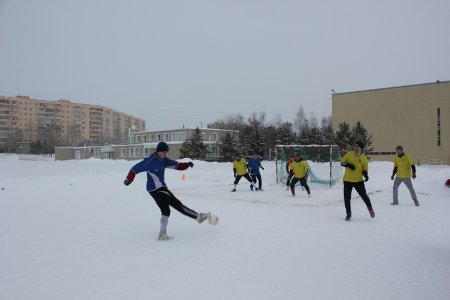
pixel 162 146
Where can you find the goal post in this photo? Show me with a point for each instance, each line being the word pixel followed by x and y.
pixel 323 161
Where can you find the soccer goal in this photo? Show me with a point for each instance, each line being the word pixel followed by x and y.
pixel 323 161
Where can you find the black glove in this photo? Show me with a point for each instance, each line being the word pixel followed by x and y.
pixel 190 164
pixel 414 176
pixel 348 165
pixel 392 177
pixel 366 176
pixel 126 182
pixel 262 167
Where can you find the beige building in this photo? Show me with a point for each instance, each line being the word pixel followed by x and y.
pixel 142 143
pixel 61 122
pixel 414 116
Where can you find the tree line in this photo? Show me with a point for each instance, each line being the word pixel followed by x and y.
pixel 256 135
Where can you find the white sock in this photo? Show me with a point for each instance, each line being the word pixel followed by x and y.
pixel 164 221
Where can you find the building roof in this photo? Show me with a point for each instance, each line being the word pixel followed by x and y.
pixel 395 87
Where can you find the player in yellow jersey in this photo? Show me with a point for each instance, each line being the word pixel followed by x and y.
pixel 240 170
pixel 405 169
pixel 356 166
pixel 301 171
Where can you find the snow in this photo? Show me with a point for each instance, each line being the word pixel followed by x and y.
pixel 72 230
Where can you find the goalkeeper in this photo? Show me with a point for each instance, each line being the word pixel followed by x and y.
pixel 301 171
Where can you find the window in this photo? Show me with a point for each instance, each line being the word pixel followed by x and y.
pixel 158 137
pixel 166 137
pixel 145 138
pixel 214 151
pixel 214 136
pixel 133 151
pixel 138 139
pixel 146 152
pixel 123 152
pixel 131 138
pixel 438 126
pixel 97 153
pixel 152 137
pixel 178 136
pixel 382 153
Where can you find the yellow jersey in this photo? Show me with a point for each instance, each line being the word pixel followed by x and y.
pixel 403 164
pixel 361 164
pixel 240 166
pixel 300 168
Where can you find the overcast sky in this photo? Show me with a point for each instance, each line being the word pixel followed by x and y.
pixel 175 63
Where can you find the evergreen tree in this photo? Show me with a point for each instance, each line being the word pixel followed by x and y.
pixel 251 136
pixel 285 134
pixel 328 133
pixel 228 147
pixel 315 136
pixel 304 133
pixel 246 140
pixel 360 133
pixel 36 147
pixel 343 137
pixel 194 147
pixel 270 134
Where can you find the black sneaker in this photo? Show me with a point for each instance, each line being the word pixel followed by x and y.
pixel 233 190
pixel 348 217
pixel 251 187
pixel 394 203
pixel 371 213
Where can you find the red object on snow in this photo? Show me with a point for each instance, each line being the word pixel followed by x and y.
pixel 447 183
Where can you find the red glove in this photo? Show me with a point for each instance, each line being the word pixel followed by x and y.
pixel 183 166
pixel 130 178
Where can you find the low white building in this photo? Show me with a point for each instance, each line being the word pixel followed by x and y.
pixel 142 144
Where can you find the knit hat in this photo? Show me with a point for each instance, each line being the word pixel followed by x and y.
pixel 162 147
pixel 360 144
pixel 399 148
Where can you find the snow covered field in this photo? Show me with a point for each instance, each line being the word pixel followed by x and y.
pixel 71 230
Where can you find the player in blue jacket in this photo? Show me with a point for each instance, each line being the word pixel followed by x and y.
pixel 155 166
pixel 253 165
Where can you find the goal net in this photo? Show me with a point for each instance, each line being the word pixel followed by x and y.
pixel 323 160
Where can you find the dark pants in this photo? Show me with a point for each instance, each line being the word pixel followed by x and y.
pixel 302 183
pixel 246 176
pixel 288 182
pixel 257 176
pixel 361 189
pixel 164 198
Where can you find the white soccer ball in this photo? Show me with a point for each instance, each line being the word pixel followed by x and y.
pixel 213 219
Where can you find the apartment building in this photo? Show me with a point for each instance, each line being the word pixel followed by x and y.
pixel 61 122
pixel 142 143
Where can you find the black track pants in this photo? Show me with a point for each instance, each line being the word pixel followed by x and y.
pixel 246 176
pixel 360 188
pixel 164 198
pixel 302 182
pixel 288 182
pixel 255 177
